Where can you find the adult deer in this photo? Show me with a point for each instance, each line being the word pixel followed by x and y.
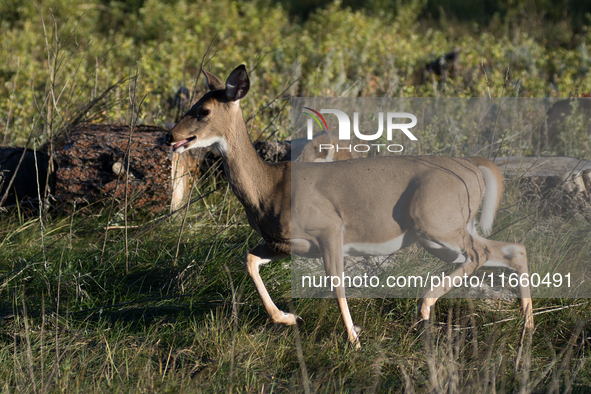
pixel 371 206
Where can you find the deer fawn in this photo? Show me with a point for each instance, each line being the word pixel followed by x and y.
pixel 432 200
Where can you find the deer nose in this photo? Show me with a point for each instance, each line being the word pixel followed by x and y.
pixel 169 139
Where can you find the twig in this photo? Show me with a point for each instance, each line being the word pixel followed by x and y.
pixel 272 101
pixel 300 353
pixel 143 301
pixel 119 227
pixel 41 201
pixel 522 337
pixel 11 104
pixel 203 63
pixel 271 123
pixel 195 175
pixel 497 119
pixel 28 348
pixel 234 329
pixel 540 312
pixel 485 77
pixel 127 157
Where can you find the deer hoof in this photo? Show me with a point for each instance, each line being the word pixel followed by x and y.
pixel 288 319
pixel 425 308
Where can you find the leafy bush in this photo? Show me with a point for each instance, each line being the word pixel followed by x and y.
pixel 336 51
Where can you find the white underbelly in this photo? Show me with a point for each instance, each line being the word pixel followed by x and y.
pixel 378 249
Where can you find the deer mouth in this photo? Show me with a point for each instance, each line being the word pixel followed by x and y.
pixel 183 142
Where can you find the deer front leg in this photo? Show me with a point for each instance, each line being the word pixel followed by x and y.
pixel 259 255
pixel 332 254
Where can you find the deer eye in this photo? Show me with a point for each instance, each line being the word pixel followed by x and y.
pixel 202 113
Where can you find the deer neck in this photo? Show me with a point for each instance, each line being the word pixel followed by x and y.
pixel 250 178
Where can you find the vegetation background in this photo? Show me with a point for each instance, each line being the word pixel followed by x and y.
pixel 163 304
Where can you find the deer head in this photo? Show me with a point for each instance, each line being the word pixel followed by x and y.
pixel 210 121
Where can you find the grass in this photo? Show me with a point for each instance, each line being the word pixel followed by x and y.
pixel 195 324
pixel 165 304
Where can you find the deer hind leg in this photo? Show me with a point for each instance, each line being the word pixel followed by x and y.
pixel 332 255
pixel 259 255
pixel 450 253
pixel 514 256
pixel 481 252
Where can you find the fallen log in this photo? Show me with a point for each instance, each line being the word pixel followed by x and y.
pixel 97 162
pixel 559 185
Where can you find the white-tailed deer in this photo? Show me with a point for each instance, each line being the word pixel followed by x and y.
pixel 371 206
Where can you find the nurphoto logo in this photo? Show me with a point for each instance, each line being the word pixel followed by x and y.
pixel 345 129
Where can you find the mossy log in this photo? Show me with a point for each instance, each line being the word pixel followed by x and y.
pixel 93 165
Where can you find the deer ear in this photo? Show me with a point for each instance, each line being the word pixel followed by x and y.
pixel 237 84
pixel 213 82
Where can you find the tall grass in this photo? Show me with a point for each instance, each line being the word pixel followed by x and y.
pixel 85 308
pixel 142 323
